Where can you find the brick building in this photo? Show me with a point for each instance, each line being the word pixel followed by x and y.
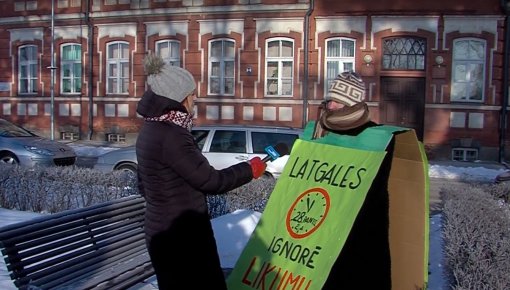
pixel 440 67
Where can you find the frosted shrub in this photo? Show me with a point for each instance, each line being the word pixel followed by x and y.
pixel 252 196
pixel 477 237
pixel 54 189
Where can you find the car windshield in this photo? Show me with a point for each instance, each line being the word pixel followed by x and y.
pixel 10 130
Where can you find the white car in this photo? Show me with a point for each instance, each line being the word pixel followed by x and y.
pixel 222 145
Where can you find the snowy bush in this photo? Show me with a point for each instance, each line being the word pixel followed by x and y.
pixel 54 189
pixel 477 236
pixel 252 196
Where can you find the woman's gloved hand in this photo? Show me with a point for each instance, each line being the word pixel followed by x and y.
pixel 258 167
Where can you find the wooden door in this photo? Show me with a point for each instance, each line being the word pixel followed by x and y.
pixel 403 103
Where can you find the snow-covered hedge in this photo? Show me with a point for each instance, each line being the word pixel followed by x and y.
pixel 477 235
pixel 55 189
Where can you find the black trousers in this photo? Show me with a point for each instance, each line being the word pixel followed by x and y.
pixel 185 256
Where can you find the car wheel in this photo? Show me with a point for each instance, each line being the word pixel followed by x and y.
pixel 8 158
pixel 128 167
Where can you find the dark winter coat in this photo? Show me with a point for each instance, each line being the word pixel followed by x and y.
pixel 175 178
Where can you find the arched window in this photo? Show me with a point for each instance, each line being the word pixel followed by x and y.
pixel 27 70
pixel 170 51
pixel 279 67
pixel 117 73
pixel 221 67
pixel 468 70
pixel 70 69
pixel 404 53
pixel 339 58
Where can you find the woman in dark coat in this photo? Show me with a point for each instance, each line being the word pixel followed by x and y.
pixel 174 178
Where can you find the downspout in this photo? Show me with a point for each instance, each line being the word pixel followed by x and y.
pixel 305 71
pixel 505 5
pixel 90 45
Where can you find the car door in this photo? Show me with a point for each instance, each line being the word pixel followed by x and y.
pixel 227 147
pixel 261 139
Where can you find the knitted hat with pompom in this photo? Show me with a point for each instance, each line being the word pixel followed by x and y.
pixel 168 81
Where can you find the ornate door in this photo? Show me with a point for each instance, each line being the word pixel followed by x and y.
pixel 403 102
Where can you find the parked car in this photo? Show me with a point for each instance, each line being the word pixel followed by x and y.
pixel 20 146
pixel 221 145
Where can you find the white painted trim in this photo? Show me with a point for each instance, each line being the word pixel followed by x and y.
pixel 248 101
pixel 42 18
pixel 405 24
pixel 116 30
pixel 26 34
pixel 463 107
pixel 279 25
pixel 221 26
pixel 345 24
pixel 71 32
pixel 163 28
pixel 204 10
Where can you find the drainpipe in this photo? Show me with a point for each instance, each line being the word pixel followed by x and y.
pixel 505 5
pixel 305 71
pixel 90 49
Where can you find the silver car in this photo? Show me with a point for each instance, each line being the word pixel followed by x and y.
pixel 221 145
pixel 22 147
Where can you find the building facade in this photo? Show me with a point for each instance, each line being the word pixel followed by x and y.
pixel 73 69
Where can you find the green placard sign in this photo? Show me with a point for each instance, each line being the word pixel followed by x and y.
pixel 307 218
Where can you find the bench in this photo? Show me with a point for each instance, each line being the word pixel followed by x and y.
pixel 97 247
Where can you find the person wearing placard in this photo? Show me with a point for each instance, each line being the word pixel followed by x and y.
pixel 365 258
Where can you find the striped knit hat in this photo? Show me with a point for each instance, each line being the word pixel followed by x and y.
pixel 347 88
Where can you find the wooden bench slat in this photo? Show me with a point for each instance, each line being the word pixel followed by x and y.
pixel 73 251
pixel 36 231
pixel 75 236
pixel 98 266
pixel 95 275
pixel 100 247
pixel 16 229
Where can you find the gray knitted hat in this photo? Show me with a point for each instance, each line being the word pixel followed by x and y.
pixel 348 88
pixel 168 81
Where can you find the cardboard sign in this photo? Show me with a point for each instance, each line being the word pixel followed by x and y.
pixel 307 218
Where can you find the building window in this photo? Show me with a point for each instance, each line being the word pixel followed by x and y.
pixel 221 67
pixel 116 2
pixel 68 3
pixel 404 53
pixel 28 69
pixel 468 70
pixel 170 51
pixel 71 68
pixel 279 67
pixel 118 68
pixel 25 5
pixel 339 58
pixel 464 154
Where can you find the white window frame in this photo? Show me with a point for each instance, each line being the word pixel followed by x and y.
pixel 342 63
pixel 117 62
pixel 70 62
pixel 31 66
pixel 173 46
pixel 458 63
pixel 280 60
pixel 222 60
